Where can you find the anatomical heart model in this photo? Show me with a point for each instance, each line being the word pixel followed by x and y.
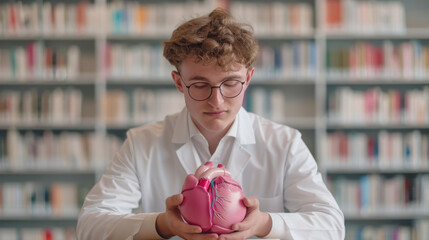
pixel 212 199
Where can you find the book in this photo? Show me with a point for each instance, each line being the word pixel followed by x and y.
pixel 379 195
pixel 369 61
pixel 364 16
pixel 382 150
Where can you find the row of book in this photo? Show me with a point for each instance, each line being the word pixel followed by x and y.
pixel 281 104
pixel 70 106
pixel 385 150
pixel 267 19
pixel 20 17
pixel 35 61
pixel 291 60
pixel 269 104
pixel 381 195
pixel 140 105
pixel 47 150
pixel 137 18
pixel 363 60
pixel 134 61
pixel 125 17
pixel 47 233
pixel 38 199
pixel 365 16
pixel 379 106
pixel 275 18
pixel 59 105
pixel 407 60
pixel 416 231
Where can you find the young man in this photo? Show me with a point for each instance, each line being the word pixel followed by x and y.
pixel 286 197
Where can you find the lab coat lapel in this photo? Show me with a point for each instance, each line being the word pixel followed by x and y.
pixel 188 157
pixel 186 153
pixel 239 159
pixel 245 137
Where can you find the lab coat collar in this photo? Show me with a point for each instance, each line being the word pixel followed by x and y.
pixel 181 129
pixel 245 133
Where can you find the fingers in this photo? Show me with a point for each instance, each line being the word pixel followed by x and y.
pixel 242 226
pixel 172 202
pixel 251 202
pixel 175 222
pixel 180 227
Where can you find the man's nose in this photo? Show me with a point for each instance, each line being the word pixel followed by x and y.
pixel 216 98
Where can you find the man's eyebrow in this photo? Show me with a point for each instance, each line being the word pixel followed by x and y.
pixel 198 78
pixel 201 78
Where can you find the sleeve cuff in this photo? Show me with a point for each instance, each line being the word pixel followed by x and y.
pixel 148 228
pixel 277 228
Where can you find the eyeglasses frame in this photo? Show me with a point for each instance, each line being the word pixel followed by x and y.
pixel 211 87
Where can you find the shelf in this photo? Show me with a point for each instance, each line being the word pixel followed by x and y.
pixel 373 126
pixel 300 123
pixel 123 126
pixel 375 81
pixel 138 37
pixel 42 125
pixel 285 36
pixel 257 81
pixel 56 37
pixel 355 170
pixel 37 221
pixel 55 171
pixel 78 81
pixel 412 215
pixel 143 81
pixel 408 34
pixel 38 218
pixel 48 175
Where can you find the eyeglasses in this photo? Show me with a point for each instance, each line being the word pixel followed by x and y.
pixel 200 91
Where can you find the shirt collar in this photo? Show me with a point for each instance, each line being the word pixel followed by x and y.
pixel 241 129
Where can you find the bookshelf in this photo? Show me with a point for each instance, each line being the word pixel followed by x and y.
pixel 375 168
pixel 331 68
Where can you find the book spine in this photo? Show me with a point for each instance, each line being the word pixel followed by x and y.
pixel 378 195
pixel 368 61
pixel 385 150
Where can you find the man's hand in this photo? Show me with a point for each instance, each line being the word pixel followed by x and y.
pixel 256 223
pixel 170 223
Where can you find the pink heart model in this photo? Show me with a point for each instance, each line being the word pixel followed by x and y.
pixel 212 199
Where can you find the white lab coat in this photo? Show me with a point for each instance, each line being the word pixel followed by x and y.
pixel 269 160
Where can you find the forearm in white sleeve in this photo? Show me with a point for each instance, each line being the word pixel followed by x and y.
pixel 313 211
pixel 107 210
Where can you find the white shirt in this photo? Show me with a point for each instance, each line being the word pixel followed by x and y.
pixel 269 160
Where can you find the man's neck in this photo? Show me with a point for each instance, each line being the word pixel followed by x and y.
pixel 213 139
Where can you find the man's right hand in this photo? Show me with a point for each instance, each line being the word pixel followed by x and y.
pixel 170 223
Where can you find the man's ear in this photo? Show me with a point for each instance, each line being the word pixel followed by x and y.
pixel 176 78
pixel 250 72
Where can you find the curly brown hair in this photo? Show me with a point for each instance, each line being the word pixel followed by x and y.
pixel 215 36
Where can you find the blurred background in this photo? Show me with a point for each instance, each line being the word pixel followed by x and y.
pixel 351 75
